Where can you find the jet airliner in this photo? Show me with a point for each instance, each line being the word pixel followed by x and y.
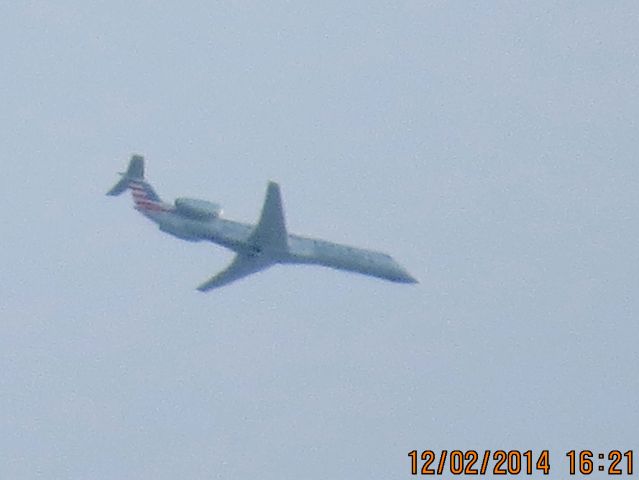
pixel 258 246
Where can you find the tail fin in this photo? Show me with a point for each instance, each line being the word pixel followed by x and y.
pixel 143 193
pixel 135 172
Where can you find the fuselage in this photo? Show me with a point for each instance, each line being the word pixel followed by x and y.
pixel 300 250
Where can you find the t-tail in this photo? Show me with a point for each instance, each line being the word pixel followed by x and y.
pixel 144 196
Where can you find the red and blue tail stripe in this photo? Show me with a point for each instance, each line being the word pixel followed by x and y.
pixel 145 198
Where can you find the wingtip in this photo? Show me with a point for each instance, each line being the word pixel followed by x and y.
pixel 407 278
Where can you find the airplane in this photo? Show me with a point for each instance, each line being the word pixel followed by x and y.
pixel 257 247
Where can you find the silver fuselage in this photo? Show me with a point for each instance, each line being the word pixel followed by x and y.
pixel 235 236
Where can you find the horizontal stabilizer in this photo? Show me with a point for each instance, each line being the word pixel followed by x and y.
pixel 270 232
pixel 241 266
pixel 119 187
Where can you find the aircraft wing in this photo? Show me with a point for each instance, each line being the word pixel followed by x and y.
pixel 270 231
pixel 269 235
pixel 241 266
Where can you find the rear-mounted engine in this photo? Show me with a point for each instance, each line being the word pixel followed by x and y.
pixel 197 209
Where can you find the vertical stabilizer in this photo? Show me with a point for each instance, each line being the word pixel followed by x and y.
pixel 134 172
pixel 136 168
pixel 143 193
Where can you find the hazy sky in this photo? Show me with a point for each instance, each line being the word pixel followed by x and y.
pixel 490 147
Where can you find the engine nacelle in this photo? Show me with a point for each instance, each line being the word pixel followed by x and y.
pixel 197 209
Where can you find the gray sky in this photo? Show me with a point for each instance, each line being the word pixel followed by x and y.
pixel 489 147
